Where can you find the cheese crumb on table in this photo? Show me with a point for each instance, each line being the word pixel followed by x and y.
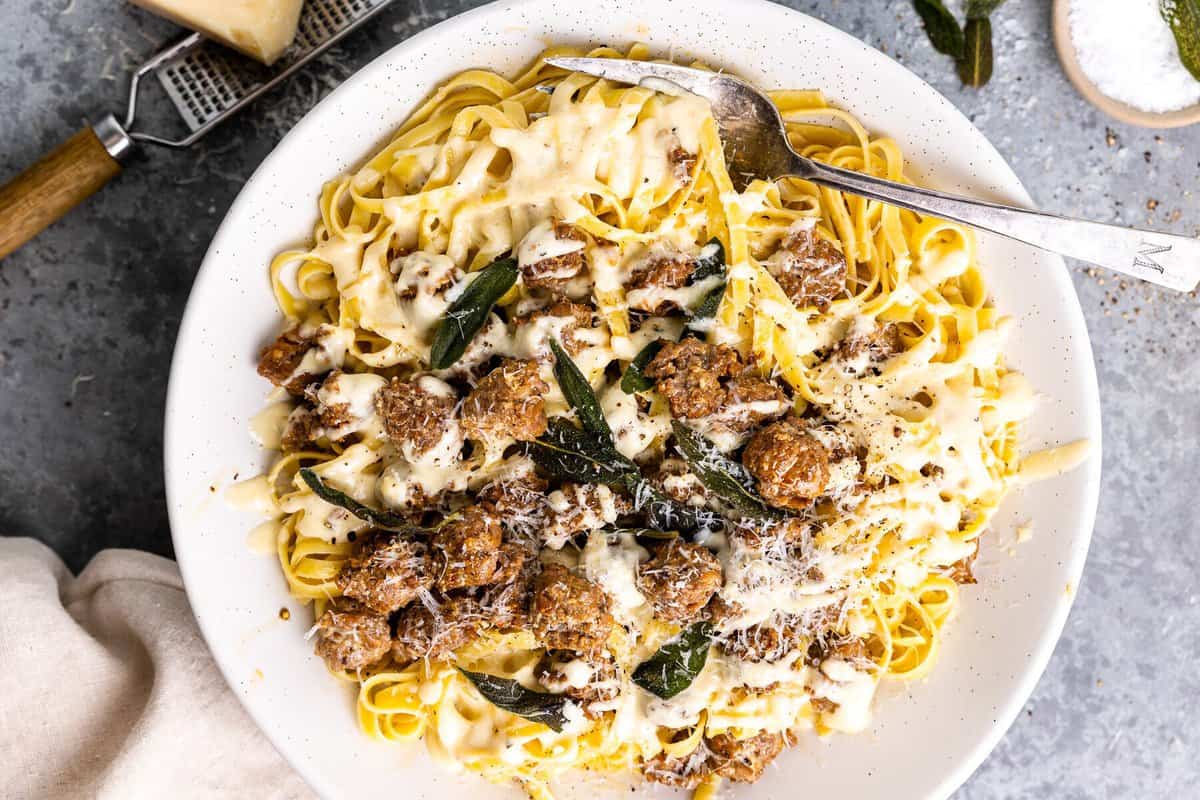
pixel 261 29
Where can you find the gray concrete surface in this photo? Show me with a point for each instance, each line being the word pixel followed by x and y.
pixel 88 315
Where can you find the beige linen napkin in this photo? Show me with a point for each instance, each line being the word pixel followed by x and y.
pixel 109 691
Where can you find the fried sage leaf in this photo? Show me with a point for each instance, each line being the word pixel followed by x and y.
pixel 579 394
pixel 380 519
pixel 1183 17
pixel 470 311
pixel 706 309
pixel 941 27
pixel 722 476
pixel 514 698
pixel 571 454
pixel 677 663
pixel 634 379
pixel 975 65
pixel 710 262
pixel 663 513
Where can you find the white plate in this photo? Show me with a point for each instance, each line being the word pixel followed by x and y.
pixel 927 737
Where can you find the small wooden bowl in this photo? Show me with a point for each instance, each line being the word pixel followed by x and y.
pixel 1114 108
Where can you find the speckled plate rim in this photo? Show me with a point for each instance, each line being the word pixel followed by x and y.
pixel 230 313
pixel 1069 58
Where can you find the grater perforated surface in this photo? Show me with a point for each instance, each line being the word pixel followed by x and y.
pixel 211 79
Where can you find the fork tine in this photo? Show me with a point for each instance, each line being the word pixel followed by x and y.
pixel 696 81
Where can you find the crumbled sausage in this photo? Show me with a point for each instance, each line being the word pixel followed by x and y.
pixel 435 633
pixel 413 416
pixel 682 161
pixel 680 772
pixel 351 636
pixel 689 375
pixel 505 600
pixel 663 272
pixel 469 544
pixel 679 580
pixel 515 499
pixel 743 759
pixel 281 358
pixel 576 508
pixel 302 429
pixel 387 572
pixel 859 351
pixel 570 612
pixel 507 402
pixel 810 270
pixel 750 401
pixel 553 273
pixel 596 693
pixel 767 641
pixel 962 571
pixel 790 464
pixel 678 482
pixel 831 644
pixel 575 316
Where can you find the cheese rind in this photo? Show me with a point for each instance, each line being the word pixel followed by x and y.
pixel 262 29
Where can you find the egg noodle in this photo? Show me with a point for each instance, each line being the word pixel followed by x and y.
pixel 475 169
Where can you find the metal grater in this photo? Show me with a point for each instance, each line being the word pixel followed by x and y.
pixel 208 83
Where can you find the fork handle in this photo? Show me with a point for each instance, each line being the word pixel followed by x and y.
pixel 1162 258
pixel 61 180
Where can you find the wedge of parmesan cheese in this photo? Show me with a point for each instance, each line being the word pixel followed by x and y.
pixel 261 29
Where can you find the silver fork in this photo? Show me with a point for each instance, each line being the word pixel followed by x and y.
pixel 756 146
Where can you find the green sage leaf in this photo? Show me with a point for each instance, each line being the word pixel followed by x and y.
pixel 578 391
pixel 380 519
pixel 677 663
pixel 975 66
pixel 514 698
pixel 710 262
pixel 978 9
pixel 634 379
pixel 571 454
pixel 722 476
pixel 663 513
pixel 1183 17
pixel 470 311
pixel 941 27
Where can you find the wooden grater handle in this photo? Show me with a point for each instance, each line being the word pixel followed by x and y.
pixel 47 190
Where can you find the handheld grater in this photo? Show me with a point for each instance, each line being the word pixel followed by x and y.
pixel 206 83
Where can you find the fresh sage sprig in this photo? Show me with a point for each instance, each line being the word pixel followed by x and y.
pixel 970 45
pixel 514 698
pixel 380 519
pixel 1183 17
pixel 677 663
pixel 722 476
pixel 470 311
pixel 941 27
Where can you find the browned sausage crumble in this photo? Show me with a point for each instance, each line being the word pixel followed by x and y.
pixel 554 273
pixel 690 374
pixel 281 358
pixel 679 580
pixel 790 465
pixel 570 612
pixel 810 269
pixel 507 403
pixel 412 415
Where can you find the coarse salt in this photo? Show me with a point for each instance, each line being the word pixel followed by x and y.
pixel 1127 50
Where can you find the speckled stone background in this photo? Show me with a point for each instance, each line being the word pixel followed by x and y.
pixel 89 311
